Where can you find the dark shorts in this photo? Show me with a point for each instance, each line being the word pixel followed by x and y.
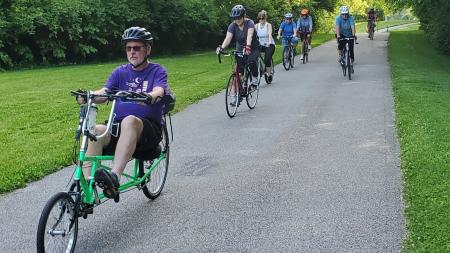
pixel 148 142
pixel 303 35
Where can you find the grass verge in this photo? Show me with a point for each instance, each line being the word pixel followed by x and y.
pixel 361 27
pixel 421 84
pixel 39 117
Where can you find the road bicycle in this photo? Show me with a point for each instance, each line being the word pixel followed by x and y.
pixel 288 53
pixel 239 86
pixel 345 61
pixel 58 223
pixel 371 29
pixel 305 49
pixel 268 76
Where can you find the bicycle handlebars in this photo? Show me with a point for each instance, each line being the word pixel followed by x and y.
pixel 229 53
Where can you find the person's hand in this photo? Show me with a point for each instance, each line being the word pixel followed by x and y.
pixel 247 50
pixel 308 35
pixel 219 49
pixel 278 37
pixel 149 99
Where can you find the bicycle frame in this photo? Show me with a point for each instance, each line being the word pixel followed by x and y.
pixel 90 195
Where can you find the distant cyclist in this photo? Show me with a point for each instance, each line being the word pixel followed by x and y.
pixel 264 30
pixel 288 29
pixel 305 26
pixel 371 19
pixel 242 30
pixel 345 28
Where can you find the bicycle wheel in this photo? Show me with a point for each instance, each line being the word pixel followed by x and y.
pixel 269 77
pixel 349 67
pixel 292 57
pixel 252 93
pixel 304 50
pixel 371 33
pixel 58 225
pixel 232 96
pixel 154 184
pixel 344 67
pixel 286 58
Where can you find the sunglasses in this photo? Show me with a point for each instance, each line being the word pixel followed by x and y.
pixel 135 48
pixel 237 18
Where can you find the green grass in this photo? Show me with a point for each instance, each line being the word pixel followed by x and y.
pixel 38 117
pixel 421 83
pixel 361 27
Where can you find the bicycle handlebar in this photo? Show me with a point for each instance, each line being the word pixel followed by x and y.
pixel 229 53
pixel 112 94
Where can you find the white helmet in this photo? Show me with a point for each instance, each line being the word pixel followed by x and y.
pixel 343 10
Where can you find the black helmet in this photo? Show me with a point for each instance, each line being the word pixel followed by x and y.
pixel 137 33
pixel 237 11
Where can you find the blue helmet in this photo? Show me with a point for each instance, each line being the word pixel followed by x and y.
pixel 237 11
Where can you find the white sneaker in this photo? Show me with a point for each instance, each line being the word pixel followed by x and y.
pixel 254 80
pixel 309 47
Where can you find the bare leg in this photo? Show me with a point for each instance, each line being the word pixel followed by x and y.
pixel 95 148
pixel 130 131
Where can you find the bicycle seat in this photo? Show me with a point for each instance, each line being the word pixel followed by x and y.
pixel 149 154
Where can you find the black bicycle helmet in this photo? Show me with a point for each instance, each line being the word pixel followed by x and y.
pixel 137 33
pixel 237 11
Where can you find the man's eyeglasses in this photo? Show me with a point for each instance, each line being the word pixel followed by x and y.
pixel 135 48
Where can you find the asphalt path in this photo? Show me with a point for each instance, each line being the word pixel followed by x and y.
pixel 313 168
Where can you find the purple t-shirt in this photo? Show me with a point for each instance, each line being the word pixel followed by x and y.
pixel 127 79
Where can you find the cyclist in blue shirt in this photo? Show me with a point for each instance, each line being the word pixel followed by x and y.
pixel 305 26
pixel 345 28
pixel 288 29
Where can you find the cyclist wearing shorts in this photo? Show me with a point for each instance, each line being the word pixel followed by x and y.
pixel 345 28
pixel 139 125
pixel 371 19
pixel 242 30
pixel 288 29
pixel 305 26
pixel 264 32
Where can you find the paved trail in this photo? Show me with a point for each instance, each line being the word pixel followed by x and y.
pixel 314 168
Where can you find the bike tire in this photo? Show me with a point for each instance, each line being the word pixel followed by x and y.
pixel 292 58
pixel 304 51
pixel 65 208
pixel 232 94
pixel 252 93
pixel 349 67
pixel 286 58
pixel 152 187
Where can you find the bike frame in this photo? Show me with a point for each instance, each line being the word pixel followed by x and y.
pixel 90 195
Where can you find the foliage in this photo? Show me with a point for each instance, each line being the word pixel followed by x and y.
pixel 433 15
pixel 45 32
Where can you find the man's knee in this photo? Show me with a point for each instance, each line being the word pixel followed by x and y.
pixel 131 123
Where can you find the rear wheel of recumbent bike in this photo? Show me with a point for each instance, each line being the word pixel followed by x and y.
pixel 154 184
pixel 58 225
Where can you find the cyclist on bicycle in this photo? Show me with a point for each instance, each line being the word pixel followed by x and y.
pixel 264 32
pixel 345 28
pixel 305 26
pixel 242 30
pixel 139 125
pixel 288 29
pixel 371 19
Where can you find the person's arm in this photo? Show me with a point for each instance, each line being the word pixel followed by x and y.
pixel 226 42
pixel 295 30
pixel 269 30
pixel 353 27
pixel 310 24
pixel 280 30
pixel 250 32
pixel 336 28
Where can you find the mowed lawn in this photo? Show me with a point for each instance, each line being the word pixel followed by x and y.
pixel 361 27
pixel 421 81
pixel 38 116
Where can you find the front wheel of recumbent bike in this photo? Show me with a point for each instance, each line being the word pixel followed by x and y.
pixel 154 183
pixel 58 225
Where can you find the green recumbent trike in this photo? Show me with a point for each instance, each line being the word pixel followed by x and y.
pixel 58 224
